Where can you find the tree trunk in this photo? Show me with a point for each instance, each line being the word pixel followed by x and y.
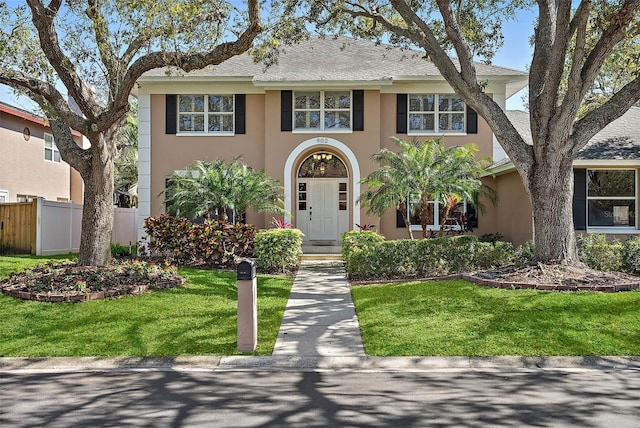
pixel 551 187
pixel 97 215
pixel 407 221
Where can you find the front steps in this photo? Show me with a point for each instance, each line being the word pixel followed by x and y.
pixel 321 251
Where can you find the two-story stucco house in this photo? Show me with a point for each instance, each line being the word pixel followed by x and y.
pixel 30 163
pixel 313 121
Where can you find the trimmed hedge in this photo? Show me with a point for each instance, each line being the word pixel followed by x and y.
pixel 369 257
pixel 213 243
pixel 278 250
pixel 599 253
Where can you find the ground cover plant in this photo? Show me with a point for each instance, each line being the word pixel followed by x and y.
pixel 199 318
pixel 455 318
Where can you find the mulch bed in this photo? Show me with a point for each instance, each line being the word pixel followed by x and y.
pixel 67 282
pixel 547 277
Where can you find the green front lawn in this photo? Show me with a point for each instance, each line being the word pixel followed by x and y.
pixel 458 318
pixel 196 319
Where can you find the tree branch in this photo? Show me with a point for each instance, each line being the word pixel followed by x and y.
pixel 74 155
pixel 101 31
pixel 612 35
pixel 594 121
pixel 43 20
pixel 186 62
pixel 55 100
pixel 454 32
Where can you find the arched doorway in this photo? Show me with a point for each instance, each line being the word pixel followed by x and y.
pixel 322 199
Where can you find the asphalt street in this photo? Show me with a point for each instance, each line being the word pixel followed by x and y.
pixel 331 398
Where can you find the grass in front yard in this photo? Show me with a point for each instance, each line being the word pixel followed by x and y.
pixel 456 318
pixel 199 318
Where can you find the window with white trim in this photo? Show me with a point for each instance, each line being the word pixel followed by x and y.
pixel 51 152
pixel 611 197
pixel 322 110
pixel 207 114
pixel 436 113
pixel 458 217
pixel 26 198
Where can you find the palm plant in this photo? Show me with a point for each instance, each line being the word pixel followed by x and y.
pixel 209 189
pixel 126 161
pixel 422 172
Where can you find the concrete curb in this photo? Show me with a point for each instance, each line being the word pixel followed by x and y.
pixel 299 363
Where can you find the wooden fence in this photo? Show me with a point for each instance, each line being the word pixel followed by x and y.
pixel 18 227
pixel 46 227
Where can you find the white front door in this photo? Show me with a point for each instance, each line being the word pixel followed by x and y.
pixel 323 210
pixel 317 214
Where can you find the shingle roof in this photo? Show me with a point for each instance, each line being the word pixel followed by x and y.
pixel 618 140
pixel 339 59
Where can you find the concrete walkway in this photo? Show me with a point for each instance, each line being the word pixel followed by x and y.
pixel 320 319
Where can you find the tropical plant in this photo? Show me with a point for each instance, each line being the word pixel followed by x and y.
pixel 419 173
pixel 126 161
pixel 210 189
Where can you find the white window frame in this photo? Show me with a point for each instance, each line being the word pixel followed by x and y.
pixel 4 196
pixel 436 115
pixel 436 219
pixel 614 229
pixel 53 149
pixel 322 111
pixel 206 115
pixel 25 198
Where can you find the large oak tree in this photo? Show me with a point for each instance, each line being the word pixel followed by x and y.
pixel 571 46
pixel 96 50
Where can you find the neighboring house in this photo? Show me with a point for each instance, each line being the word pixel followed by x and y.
pixel 312 121
pixel 605 198
pixel 30 164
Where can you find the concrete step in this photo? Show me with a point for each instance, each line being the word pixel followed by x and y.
pixel 329 249
pixel 321 257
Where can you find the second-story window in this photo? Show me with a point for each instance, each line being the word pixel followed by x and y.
pixel 205 114
pixel 322 110
pixel 436 113
pixel 51 152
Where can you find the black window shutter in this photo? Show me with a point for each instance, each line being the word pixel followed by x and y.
pixel 240 113
pixel 286 111
pixel 358 110
pixel 580 199
pixel 400 220
pixel 472 121
pixel 401 114
pixel 171 114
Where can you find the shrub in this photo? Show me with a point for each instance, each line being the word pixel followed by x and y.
pixel 214 243
pixel 119 251
pixel 524 254
pixel 599 254
pixel 358 239
pixel 490 237
pixel 278 250
pixel 489 255
pixel 407 258
pixel 631 255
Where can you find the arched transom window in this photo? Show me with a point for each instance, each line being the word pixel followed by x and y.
pixel 322 165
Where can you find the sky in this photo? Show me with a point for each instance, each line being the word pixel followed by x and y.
pixel 516 53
